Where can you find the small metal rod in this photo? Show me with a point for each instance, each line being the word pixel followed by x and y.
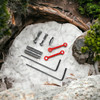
pixel 34 50
pixel 42 64
pixel 32 54
pixel 44 38
pixel 51 40
pixel 38 35
pixel 49 74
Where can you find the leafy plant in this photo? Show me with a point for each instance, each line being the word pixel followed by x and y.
pixel 90 8
pixel 92 40
pixel 4 16
pixel 18 6
pixel 84 49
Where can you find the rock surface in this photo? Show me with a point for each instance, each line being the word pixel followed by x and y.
pixel 79 56
pixel 3 41
pixel 24 77
pixel 85 89
pixel 82 89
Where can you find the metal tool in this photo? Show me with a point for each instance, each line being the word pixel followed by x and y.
pixel 51 40
pixel 41 44
pixel 32 54
pixel 49 74
pixel 38 35
pixel 42 64
pixel 47 57
pixel 34 50
pixel 63 45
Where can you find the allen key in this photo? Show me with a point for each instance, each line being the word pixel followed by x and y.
pixel 49 74
pixel 42 64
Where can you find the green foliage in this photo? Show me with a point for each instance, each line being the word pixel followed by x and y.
pixel 81 2
pixel 4 16
pixel 84 49
pixel 18 6
pixel 92 40
pixel 90 8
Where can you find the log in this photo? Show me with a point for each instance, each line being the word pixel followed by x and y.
pixel 82 23
pixel 54 11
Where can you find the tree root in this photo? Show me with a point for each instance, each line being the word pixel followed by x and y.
pixel 49 12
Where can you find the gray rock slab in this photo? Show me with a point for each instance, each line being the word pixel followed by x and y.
pixel 25 77
pixel 82 89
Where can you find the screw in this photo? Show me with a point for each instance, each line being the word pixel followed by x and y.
pixel 38 35
pixel 41 44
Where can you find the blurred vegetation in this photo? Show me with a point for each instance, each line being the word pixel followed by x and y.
pixel 92 40
pixel 4 17
pixel 90 8
pixel 18 6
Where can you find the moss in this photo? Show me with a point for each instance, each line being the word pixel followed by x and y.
pixel 15 6
pixel 84 49
pixel 4 17
pixel 92 40
pixel 90 8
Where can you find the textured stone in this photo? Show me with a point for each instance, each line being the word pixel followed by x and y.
pixel 82 89
pixel 79 56
pixel 22 76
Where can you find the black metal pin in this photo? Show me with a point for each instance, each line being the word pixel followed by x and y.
pixel 41 44
pixel 34 50
pixel 38 35
pixel 32 54
pixel 49 74
pixel 51 40
pixel 42 64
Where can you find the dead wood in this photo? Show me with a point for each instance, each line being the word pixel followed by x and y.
pixel 42 10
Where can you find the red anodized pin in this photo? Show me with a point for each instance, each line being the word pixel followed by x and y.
pixel 60 53
pixel 63 45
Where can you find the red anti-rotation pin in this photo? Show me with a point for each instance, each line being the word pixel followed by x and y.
pixel 47 57
pixel 63 45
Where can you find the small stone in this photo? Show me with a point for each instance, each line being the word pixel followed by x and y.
pixel 79 56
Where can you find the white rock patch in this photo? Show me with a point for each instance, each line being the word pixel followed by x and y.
pixel 26 77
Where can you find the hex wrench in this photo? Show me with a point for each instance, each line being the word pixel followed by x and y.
pixel 34 50
pixel 49 74
pixel 42 64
